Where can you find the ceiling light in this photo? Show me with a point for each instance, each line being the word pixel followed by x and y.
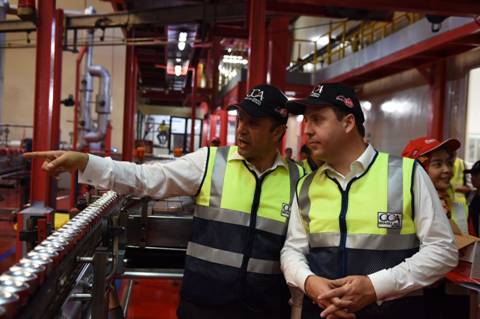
pixel 178 60
pixel 178 70
pixel 232 112
pixel 234 59
pixel 182 36
pixel 181 45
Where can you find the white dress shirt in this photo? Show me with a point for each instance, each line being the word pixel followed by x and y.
pixel 437 255
pixel 182 176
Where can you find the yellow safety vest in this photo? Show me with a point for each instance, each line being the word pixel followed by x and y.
pixel 364 228
pixel 458 180
pixel 239 228
pixel 306 166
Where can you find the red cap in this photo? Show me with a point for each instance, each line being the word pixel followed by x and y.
pixel 423 145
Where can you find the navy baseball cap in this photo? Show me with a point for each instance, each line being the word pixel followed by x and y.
pixel 337 95
pixel 265 101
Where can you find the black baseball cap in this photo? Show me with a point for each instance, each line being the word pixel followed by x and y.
pixel 474 170
pixel 265 101
pixel 330 94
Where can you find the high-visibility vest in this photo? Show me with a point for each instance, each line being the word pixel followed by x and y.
pixel 239 227
pixel 306 166
pixel 364 228
pixel 309 166
pixel 458 180
pixel 367 227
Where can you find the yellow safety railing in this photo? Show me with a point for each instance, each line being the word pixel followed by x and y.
pixel 350 42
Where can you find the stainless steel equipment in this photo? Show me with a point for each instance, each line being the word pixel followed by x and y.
pixel 70 274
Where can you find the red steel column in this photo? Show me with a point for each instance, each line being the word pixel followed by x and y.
pixel 278 51
pixel 57 79
pixel 437 94
pixel 213 126
pixel 129 109
pixel 256 43
pixel 57 95
pixel 194 109
pixel 73 178
pixel 279 44
pixel 44 98
pixel 45 125
pixel 77 96
pixel 223 127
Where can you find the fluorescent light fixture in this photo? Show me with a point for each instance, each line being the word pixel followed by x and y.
pixel 234 59
pixel 181 45
pixel 182 36
pixel 396 107
pixel 178 70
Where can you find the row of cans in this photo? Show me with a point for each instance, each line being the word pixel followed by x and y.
pixel 22 280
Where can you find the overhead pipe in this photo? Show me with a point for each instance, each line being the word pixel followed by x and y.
pixel 91 134
pixel 102 104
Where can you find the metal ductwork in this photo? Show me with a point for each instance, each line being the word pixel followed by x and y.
pixel 92 133
pixel 102 104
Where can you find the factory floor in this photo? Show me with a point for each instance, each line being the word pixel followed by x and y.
pixel 151 297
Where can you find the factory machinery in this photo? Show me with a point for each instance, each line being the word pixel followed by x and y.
pixel 71 273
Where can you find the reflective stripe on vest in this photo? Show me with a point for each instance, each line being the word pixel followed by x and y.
pixel 231 204
pixel 232 259
pixel 374 211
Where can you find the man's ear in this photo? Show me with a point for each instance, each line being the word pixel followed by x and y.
pixel 349 123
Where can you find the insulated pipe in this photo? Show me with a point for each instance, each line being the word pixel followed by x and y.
pixel 102 104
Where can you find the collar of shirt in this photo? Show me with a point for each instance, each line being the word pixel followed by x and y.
pixel 356 168
pixel 279 162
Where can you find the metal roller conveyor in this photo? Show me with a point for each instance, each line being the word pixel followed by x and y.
pixel 70 274
pixel 38 285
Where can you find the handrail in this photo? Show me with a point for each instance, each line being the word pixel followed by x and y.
pixel 349 41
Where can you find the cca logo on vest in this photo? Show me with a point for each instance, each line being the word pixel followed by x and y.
pixel 389 220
